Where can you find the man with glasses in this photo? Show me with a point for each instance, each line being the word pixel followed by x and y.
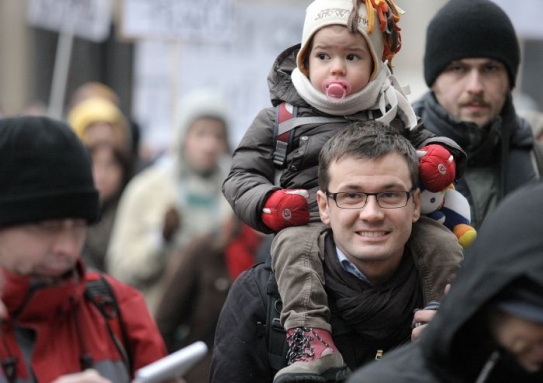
pixel 374 274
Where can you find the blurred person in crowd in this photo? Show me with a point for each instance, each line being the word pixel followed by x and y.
pixel 97 89
pixel 111 170
pixel 175 199
pixel 92 89
pixel 535 119
pixel 197 284
pixel 471 63
pixel 51 328
pixel 489 327
pixel 102 127
pixel 97 119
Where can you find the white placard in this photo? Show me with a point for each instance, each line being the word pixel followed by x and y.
pixel 88 19
pixel 177 19
pixel 238 69
pixel 172 366
pixel 525 16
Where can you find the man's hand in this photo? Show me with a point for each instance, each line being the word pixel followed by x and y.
pixel 87 376
pixel 420 321
pixel 423 317
pixel 437 168
pixel 284 208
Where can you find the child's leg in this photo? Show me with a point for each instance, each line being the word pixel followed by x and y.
pixel 297 264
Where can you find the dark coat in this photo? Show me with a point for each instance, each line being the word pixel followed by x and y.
pixel 196 287
pixel 456 344
pixel 499 156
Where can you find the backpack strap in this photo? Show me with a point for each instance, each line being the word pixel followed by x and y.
pixel 99 292
pixel 283 112
pixel 275 332
pixel 286 121
pixel 271 329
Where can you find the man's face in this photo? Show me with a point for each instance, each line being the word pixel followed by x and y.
pixel 205 143
pixel 101 132
pixel 520 337
pixel 46 249
pixel 372 238
pixel 473 90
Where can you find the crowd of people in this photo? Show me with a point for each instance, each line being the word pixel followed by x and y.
pixel 303 254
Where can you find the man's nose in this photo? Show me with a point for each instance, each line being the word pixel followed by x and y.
pixel 371 211
pixel 67 241
pixel 474 82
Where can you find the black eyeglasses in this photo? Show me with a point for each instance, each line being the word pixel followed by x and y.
pixel 357 200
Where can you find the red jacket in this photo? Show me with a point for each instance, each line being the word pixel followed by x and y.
pixel 55 326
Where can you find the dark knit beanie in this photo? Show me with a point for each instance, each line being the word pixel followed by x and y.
pixel 470 29
pixel 45 173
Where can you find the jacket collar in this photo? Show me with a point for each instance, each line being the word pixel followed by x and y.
pixel 29 300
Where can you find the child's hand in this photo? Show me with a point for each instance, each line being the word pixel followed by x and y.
pixel 284 208
pixel 437 169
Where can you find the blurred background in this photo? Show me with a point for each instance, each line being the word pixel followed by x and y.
pixel 151 52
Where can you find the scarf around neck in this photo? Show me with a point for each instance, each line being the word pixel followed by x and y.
pixel 383 93
pixel 381 314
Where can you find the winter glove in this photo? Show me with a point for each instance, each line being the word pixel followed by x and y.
pixel 437 169
pixel 172 222
pixel 284 208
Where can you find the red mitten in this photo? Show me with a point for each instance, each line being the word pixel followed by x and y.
pixel 437 169
pixel 284 208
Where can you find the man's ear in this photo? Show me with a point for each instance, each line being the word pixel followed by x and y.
pixel 322 202
pixel 416 202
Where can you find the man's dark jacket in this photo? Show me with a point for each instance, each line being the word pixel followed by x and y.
pixel 365 319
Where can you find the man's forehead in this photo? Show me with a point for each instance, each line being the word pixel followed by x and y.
pixel 386 172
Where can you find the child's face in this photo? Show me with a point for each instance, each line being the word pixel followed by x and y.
pixel 337 54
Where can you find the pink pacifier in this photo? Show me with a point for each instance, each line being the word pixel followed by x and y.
pixel 335 90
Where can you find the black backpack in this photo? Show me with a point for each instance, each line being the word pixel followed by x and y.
pixel 286 121
pixel 272 329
